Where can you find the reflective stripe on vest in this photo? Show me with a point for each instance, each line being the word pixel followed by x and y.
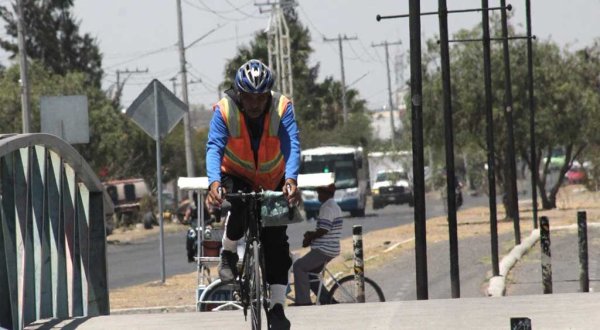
pixel 238 158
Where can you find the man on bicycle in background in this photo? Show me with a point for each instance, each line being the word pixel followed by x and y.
pixel 324 243
pixel 253 144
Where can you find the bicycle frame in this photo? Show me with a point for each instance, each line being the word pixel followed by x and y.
pixel 320 278
pixel 253 250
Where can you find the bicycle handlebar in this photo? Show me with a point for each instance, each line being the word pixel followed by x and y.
pixel 258 196
pixel 255 195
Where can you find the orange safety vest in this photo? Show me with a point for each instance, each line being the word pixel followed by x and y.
pixel 238 158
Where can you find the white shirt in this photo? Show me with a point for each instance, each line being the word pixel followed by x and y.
pixel 330 219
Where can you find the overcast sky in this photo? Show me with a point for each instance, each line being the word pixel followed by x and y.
pixel 143 34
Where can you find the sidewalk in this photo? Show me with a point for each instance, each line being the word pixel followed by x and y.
pixel 526 277
pixel 558 311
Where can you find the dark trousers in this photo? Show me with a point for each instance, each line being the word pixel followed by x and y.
pixel 274 239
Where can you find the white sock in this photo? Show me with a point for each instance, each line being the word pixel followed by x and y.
pixel 277 294
pixel 229 245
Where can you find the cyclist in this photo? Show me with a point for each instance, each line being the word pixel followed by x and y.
pixel 324 243
pixel 253 144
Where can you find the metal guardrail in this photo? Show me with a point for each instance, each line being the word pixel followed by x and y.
pixel 52 232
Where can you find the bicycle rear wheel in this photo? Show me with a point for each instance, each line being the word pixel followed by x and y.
pixel 344 291
pixel 255 286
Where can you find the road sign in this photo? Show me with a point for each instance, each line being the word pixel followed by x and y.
pixel 156 110
pixel 156 97
pixel 66 117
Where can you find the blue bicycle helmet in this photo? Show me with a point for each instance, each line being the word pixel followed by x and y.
pixel 254 77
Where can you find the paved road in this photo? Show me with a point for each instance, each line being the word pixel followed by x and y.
pixel 474 265
pixel 139 262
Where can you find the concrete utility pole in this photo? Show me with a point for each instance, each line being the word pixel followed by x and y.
pixel 278 47
pixel 26 116
pixel 389 81
pixel 339 40
pixel 174 82
pixel 189 158
pixel 129 72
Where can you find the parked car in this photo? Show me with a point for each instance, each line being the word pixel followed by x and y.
pixel 576 174
pixel 392 187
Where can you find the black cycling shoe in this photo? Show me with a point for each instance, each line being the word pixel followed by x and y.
pixel 228 266
pixel 276 318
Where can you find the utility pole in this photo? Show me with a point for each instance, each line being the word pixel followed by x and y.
pixel 26 115
pixel 129 72
pixel 189 159
pixel 278 45
pixel 389 81
pixel 339 39
pixel 119 87
pixel 174 82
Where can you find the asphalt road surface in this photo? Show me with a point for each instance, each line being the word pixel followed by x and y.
pixel 139 261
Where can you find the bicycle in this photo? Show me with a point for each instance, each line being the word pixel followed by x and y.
pixel 341 291
pixel 250 289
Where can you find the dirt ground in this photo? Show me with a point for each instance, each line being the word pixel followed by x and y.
pixel 379 246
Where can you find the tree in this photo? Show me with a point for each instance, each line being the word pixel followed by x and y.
pixel 566 92
pixel 318 105
pixel 52 37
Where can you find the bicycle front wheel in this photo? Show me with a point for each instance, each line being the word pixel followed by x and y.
pixel 255 285
pixel 344 290
pixel 221 296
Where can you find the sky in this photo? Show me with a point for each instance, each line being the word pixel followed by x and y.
pixel 142 34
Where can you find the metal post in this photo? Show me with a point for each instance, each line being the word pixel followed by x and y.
pixel 159 185
pixel 534 164
pixel 449 140
pixel 25 103
pixel 359 265
pixel 546 255
pixel 487 70
pixel 189 156
pixel 511 170
pixel 416 95
pixel 584 279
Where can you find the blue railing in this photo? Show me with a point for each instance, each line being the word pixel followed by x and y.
pixel 52 232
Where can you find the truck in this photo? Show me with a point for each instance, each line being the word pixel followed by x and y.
pixel 389 177
pixel 126 195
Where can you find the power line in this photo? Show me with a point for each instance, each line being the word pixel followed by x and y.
pixel 152 52
pixel 310 22
pixel 368 52
pixel 239 11
pixel 205 8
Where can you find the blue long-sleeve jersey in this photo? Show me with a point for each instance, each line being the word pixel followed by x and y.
pixel 288 137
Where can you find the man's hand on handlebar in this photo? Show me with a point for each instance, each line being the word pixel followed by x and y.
pixel 291 192
pixel 215 194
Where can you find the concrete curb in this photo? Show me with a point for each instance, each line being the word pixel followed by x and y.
pixel 154 310
pixel 497 284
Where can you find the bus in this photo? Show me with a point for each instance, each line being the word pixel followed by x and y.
pixel 351 177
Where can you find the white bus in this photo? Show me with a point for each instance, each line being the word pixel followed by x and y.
pixel 351 177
